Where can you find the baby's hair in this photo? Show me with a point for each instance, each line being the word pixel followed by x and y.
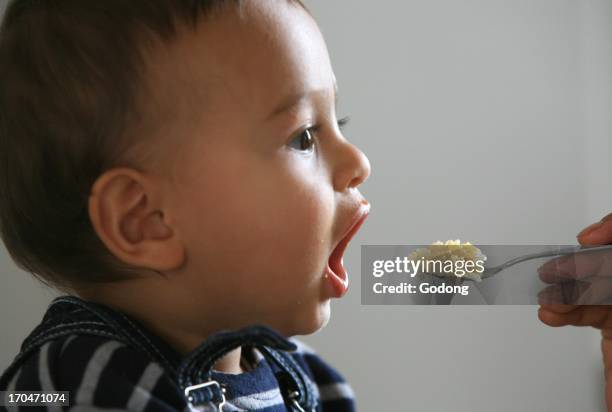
pixel 71 73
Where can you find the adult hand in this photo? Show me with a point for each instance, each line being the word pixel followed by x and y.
pixel 598 316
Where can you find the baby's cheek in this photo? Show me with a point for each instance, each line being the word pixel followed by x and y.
pixel 292 243
pixel 310 236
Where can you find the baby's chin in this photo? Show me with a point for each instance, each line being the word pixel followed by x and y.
pixel 309 321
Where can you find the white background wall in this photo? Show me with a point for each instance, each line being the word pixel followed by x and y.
pixel 485 120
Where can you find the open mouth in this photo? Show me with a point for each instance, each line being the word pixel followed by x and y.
pixel 335 263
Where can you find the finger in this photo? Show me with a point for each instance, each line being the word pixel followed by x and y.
pixel 577 266
pixel 550 318
pixel 566 293
pixel 594 291
pixel 554 270
pixel 558 308
pixel 595 316
pixel 599 233
pixel 554 315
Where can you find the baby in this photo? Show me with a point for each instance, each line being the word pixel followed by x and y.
pixel 177 168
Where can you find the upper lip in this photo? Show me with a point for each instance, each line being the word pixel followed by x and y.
pixel 357 219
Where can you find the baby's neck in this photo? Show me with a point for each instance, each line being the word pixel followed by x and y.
pixel 166 328
pixel 230 362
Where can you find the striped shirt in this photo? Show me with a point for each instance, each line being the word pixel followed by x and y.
pixel 107 375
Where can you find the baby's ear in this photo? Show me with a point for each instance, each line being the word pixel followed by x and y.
pixel 127 216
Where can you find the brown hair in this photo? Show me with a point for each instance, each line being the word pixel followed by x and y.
pixel 71 73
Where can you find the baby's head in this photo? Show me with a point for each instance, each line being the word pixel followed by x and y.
pixel 179 160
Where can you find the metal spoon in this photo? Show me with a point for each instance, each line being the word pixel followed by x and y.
pixel 493 270
pixel 446 298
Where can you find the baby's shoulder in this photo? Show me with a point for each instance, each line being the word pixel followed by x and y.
pixel 96 371
pixel 317 367
pixel 334 391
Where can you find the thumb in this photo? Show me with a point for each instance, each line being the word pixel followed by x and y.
pixel 599 233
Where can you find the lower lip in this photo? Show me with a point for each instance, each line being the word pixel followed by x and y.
pixel 337 286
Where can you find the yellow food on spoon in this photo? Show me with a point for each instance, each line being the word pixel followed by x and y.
pixel 450 251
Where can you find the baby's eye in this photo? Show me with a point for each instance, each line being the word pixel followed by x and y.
pixel 303 141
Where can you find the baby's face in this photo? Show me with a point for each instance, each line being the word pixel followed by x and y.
pixel 263 185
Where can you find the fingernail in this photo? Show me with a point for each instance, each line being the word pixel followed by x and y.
pixel 545 270
pixel 590 229
pixel 607 217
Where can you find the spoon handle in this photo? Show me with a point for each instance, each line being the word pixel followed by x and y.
pixel 559 252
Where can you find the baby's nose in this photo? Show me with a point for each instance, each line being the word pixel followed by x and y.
pixel 353 167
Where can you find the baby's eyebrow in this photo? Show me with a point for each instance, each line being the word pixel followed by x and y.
pixel 295 99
